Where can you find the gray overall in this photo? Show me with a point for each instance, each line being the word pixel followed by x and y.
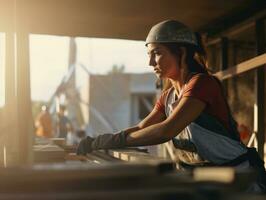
pixel 205 142
pixel 197 144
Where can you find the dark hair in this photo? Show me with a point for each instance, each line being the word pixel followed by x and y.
pixel 197 63
pixel 196 56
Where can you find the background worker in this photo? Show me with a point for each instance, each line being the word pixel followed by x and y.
pixel 193 112
pixel 44 124
pixel 63 124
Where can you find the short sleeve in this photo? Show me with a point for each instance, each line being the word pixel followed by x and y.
pixel 160 103
pixel 203 87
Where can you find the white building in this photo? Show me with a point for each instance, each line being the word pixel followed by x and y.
pixel 116 101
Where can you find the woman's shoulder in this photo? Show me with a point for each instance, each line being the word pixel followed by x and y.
pixel 205 79
pixel 202 85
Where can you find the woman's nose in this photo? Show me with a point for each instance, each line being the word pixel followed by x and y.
pixel 152 61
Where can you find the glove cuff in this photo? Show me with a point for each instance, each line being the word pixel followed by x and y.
pixel 123 138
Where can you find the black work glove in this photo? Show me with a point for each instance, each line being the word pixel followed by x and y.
pixel 84 146
pixel 105 141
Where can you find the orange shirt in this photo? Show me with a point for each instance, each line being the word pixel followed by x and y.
pixel 205 88
pixel 44 125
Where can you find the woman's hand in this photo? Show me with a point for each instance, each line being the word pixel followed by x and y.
pixel 104 141
pixel 84 146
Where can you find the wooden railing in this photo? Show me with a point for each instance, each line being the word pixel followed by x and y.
pixel 240 68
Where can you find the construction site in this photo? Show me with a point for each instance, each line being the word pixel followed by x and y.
pixel 38 166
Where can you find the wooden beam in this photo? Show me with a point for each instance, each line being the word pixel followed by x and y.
pixel 242 67
pixel 24 115
pixel 9 120
pixel 224 53
pixel 223 25
pixel 224 59
pixel 260 88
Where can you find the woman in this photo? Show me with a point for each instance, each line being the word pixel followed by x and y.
pixel 193 112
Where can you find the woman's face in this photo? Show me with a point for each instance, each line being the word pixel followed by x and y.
pixel 164 63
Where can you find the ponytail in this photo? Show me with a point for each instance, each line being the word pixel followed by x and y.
pixel 197 57
pixel 201 47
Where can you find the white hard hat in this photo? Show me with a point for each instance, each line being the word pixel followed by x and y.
pixel 171 31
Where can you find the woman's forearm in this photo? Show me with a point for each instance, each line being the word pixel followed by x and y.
pixel 150 135
pixel 187 110
pixel 131 129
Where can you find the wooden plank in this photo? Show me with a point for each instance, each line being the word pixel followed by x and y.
pixel 48 153
pixel 245 66
pixel 105 157
pixel 137 156
pixel 131 155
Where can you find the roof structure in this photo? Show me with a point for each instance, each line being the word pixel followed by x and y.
pixel 122 19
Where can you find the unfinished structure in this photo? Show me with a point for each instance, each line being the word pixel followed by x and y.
pixel 235 37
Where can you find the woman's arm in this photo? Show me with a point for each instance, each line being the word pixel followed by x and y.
pixel 186 111
pixel 154 129
pixel 107 141
pixel 154 117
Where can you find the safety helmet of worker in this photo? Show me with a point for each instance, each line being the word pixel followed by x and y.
pixel 171 31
